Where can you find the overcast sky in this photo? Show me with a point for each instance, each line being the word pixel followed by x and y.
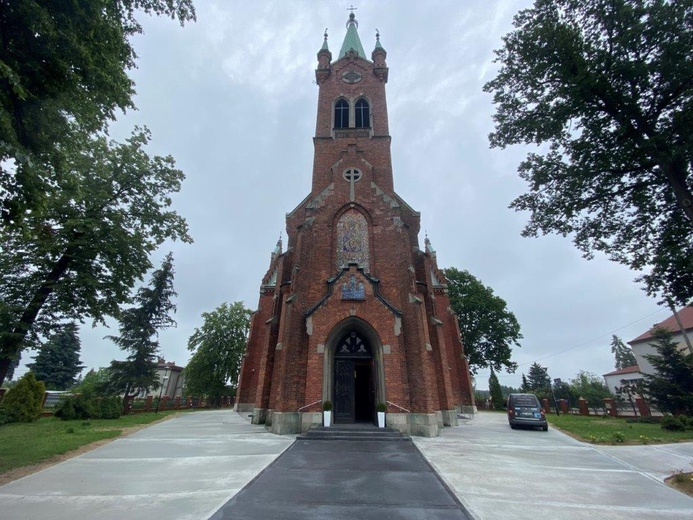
pixel 232 97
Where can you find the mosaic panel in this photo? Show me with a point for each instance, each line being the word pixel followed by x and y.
pixel 352 240
pixel 352 290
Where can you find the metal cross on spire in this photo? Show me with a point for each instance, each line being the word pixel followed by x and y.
pixel 352 16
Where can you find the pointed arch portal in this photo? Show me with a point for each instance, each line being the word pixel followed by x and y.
pixel 354 372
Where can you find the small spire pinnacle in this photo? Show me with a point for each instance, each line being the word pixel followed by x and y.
pixel 324 43
pixel 278 249
pixel 351 40
pixel 377 35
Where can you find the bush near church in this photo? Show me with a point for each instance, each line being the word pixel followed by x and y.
pixel 79 407
pixel 24 401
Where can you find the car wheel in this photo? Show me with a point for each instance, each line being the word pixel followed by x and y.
pixel 512 426
pixel 545 428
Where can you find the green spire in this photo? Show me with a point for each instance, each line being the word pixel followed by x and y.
pixel 377 41
pixel 352 40
pixel 324 44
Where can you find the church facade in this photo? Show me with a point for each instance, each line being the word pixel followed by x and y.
pixel 354 312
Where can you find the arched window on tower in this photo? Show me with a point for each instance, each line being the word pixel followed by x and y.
pixel 341 114
pixel 363 114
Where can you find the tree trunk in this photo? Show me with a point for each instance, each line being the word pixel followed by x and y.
pixel 675 172
pixel 13 343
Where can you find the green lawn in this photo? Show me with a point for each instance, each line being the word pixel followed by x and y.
pixel 23 444
pixel 615 430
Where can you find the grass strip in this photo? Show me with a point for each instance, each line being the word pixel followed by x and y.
pixel 615 430
pixel 24 444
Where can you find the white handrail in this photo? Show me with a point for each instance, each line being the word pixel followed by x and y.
pixel 398 406
pixel 309 405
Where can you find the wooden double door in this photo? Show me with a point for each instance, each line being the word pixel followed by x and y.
pixel 354 389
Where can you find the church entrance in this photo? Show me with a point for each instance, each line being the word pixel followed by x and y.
pixel 354 388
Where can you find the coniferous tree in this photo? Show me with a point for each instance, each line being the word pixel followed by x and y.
pixel 622 353
pixel 525 385
pixel 671 387
pixel 57 363
pixel 537 378
pixel 139 326
pixel 496 392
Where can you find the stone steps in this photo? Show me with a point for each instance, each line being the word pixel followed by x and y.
pixel 352 433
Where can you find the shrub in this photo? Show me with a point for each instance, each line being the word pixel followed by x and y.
pixel 110 407
pixel 618 437
pixel 381 407
pixel 327 406
pixel 647 419
pixel 24 401
pixel 673 424
pixel 77 407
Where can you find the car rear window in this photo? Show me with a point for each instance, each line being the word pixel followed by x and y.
pixel 525 400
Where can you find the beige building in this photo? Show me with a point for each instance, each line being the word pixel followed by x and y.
pixel 642 345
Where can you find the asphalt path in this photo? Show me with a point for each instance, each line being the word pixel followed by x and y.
pixel 344 480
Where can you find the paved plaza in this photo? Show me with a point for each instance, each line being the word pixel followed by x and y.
pixel 190 466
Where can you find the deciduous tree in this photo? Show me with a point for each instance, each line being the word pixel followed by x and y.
pixel 489 330
pixel 606 87
pixel 591 387
pixel 217 348
pixel 63 70
pixel 82 252
pixel 57 364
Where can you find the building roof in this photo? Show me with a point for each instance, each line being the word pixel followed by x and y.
pixel 686 316
pixel 352 40
pixel 627 370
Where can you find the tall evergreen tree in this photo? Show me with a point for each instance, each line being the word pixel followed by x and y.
pixel 57 363
pixel 622 353
pixel 538 378
pixel 671 387
pixel 496 392
pixel 525 384
pixel 139 326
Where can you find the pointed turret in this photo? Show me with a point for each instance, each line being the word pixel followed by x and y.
pixel 378 56
pixel 278 248
pixel 324 59
pixel 352 42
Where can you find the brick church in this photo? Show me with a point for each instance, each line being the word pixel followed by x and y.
pixel 353 311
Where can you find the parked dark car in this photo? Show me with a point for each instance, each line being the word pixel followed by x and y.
pixel 525 410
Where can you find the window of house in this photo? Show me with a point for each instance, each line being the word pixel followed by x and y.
pixel 363 116
pixel 341 114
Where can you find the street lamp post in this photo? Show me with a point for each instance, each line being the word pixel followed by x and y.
pixel 161 392
pixel 555 402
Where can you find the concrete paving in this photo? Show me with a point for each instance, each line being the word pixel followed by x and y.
pixel 189 467
pixel 499 473
pixel 343 480
pixel 183 468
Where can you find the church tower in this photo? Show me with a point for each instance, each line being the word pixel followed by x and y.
pixel 354 312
